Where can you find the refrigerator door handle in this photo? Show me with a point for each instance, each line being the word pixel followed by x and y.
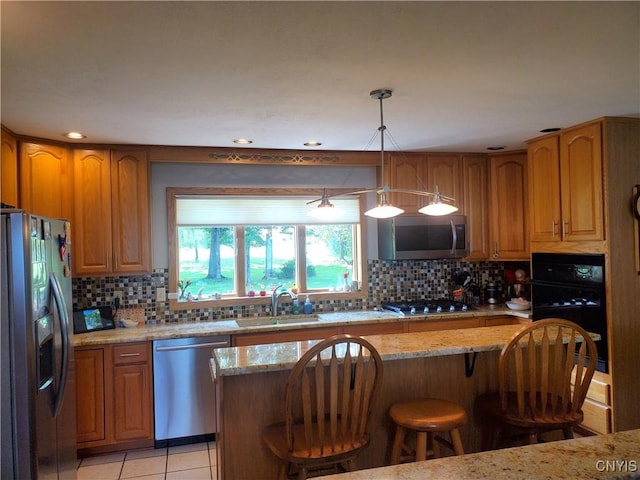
pixel 63 316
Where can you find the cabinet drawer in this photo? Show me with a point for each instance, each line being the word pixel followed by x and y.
pixel 597 417
pixel 599 391
pixel 131 353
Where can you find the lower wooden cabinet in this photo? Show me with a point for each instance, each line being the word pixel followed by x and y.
pixel 597 406
pixel 114 396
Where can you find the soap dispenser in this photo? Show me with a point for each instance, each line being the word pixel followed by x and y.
pixel 307 308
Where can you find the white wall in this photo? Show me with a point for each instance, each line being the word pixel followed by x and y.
pixel 165 175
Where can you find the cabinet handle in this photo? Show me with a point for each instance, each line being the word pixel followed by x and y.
pixel 565 224
pixel 554 224
pixel 130 354
pixel 495 250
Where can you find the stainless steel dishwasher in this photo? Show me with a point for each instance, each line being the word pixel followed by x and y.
pixel 183 393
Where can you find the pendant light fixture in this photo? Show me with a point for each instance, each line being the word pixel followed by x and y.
pixel 439 204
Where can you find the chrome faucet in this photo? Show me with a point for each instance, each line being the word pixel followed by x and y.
pixel 278 292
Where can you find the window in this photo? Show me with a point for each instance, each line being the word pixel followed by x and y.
pixel 231 243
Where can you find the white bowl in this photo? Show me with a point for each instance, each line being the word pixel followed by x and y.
pixel 519 305
pixel 129 323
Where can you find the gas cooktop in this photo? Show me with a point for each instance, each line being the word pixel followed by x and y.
pixel 421 307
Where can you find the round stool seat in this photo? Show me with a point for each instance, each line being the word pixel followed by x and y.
pixel 430 414
pixel 429 419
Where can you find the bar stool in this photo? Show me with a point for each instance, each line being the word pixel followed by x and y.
pixel 428 418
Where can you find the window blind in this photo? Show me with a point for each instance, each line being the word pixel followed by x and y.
pixel 194 210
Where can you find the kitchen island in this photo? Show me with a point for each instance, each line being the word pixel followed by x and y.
pixel 250 385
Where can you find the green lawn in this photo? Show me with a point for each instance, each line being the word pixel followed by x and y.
pixel 322 277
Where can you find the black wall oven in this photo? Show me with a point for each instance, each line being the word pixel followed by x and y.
pixel 571 286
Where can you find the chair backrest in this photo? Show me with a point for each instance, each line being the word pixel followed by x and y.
pixel 537 364
pixel 331 391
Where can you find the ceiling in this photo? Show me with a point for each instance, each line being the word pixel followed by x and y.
pixel 464 75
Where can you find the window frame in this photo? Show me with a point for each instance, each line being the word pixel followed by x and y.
pixel 359 250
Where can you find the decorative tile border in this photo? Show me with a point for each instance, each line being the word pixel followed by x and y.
pixel 388 281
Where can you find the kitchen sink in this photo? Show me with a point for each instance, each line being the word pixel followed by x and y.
pixel 283 320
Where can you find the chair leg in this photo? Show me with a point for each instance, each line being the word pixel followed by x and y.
pixel 350 465
pixel 397 445
pixel 421 446
pixel 302 473
pixel 533 438
pixel 568 433
pixel 283 467
pixel 456 441
pixel 435 444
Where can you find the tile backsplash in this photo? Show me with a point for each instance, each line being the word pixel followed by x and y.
pixel 388 281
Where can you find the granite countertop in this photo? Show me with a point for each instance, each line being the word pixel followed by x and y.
pixel 267 324
pixel 610 456
pixel 283 356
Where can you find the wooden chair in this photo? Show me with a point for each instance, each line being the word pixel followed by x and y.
pixel 536 394
pixel 430 419
pixel 328 401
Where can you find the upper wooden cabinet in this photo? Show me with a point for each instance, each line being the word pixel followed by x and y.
pixel 444 173
pixel 475 180
pixel 565 182
pixel 45 180
pixel 509 234
pixel 111 212
pixel 9 173
pixel 407 171
pixel 417 171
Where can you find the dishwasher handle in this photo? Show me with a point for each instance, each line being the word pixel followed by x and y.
pixel 194 346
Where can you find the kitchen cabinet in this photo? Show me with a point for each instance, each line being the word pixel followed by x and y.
pixel 9 173
pixel 565 185
pixel 114 395
pixel 422 172
pixel 508 207
pixel 90 393
pixel 475 181
pixel 111 212
pixel 45 179
pixel 132 392
pixel 444 174
pixel 407 171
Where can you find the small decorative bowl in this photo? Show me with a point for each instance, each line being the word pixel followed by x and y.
pixel 128 323
pixel 519 305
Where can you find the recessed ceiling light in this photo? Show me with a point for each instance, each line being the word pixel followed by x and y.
pixel 549 130
pixel 497 147
pixel 242 141
pixel 75 135
pixel 312 143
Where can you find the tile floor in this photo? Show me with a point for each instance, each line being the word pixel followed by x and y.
pixel 186 462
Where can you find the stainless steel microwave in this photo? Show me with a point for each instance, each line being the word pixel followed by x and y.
pixel 419 237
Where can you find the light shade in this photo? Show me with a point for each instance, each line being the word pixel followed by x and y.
pixel 384 211
pixel 438 208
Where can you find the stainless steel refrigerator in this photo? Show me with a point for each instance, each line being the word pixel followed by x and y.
pixel 38 376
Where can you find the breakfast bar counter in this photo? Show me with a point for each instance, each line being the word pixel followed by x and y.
pixel 250 386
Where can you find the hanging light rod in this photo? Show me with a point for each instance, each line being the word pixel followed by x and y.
pixel 439 204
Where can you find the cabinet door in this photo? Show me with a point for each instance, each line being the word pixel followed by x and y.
pixel 92 233
pixel 475 184
pixel 130 211
pixel 581 180
pixel 407 171
pixel 45 180
pixel 132 402
pixel 444 174
pixel 544 189
pixel 9 173
pixel 90 395
pixel 508 190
